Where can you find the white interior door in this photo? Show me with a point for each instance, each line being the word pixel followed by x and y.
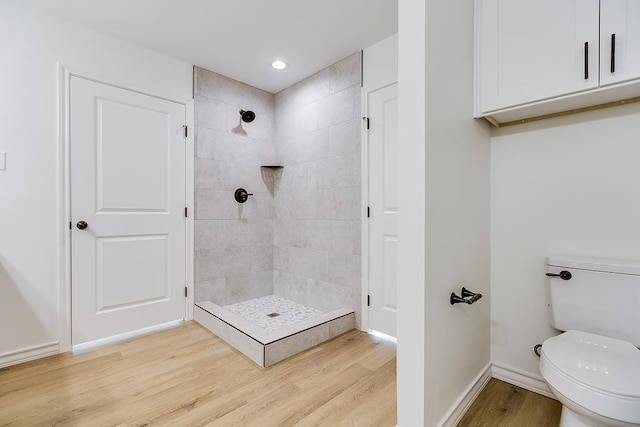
pixel 383 211
pixel 128 186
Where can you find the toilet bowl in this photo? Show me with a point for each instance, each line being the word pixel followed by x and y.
pixel 596 378
pixel 593 368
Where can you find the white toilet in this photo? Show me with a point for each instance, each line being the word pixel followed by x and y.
pixel 594 367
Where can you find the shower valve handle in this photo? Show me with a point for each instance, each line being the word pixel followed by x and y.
pixel 564 275
pixel 241 195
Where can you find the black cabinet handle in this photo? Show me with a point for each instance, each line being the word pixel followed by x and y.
pixel 586 60
pixel 613 53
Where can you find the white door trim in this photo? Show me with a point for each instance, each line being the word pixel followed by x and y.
pixel 379 69
pixel 364 224
pixel 63 197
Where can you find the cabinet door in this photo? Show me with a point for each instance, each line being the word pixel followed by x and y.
pixel 533 50
pixel 619 41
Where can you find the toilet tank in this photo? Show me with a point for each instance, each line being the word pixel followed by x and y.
pixel 601 297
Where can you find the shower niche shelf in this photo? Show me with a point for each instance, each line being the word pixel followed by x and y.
pixel 272 166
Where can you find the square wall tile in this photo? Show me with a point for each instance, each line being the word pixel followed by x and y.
pixel 209 234
pixel 346 73
pixel 224 146
pixel 261 258
pixel 311 89
pixel 345 137
pixel 210 290
pixel 210 114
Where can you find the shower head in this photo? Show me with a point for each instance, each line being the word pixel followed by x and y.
pixel 247 116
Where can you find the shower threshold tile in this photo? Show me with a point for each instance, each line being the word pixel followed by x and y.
pixel 266 347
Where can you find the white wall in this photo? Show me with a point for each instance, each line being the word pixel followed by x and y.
pixel 443 214
pixel 411 327
pixel 560 186
pixel 30 225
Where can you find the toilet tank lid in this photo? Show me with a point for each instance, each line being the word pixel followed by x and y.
pixel 595 264
pixel 604 363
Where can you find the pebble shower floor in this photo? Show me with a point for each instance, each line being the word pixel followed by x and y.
pixel 259 311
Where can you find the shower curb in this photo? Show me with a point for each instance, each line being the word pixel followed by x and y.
pixel 268 348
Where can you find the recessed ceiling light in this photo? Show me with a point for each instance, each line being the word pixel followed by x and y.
pixel 278 65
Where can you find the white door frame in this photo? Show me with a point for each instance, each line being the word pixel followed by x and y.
pixel 364 230
pixel 64 199
pixel 379 69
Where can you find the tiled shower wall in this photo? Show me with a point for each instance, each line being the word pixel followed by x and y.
pixel 233 242
pixel 318 203
pixel 299 236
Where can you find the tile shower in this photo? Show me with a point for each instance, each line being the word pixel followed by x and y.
pixel 280 272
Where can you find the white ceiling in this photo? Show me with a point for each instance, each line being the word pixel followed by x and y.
pixel 240 39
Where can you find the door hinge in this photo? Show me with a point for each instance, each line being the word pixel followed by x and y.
pixel 186 131
pixel 185 291
pixel 185 213
pixel 367 120
pixel 368 212
pixel 368 301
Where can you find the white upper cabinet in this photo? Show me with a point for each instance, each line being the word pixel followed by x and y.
pixel 619 41
pixel 540 57
pixel 536 49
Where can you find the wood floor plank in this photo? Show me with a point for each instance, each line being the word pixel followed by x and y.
pixel 313 397
pixel 342 406
pixel 504 405
pixel 187 376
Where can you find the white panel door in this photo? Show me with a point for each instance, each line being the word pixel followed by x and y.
pixel 619 41
pixel 128 186
pixel 383 208
pixel 532 50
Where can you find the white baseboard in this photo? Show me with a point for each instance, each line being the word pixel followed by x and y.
pixel 27 354
pixel 531 382
pixel 458 409
pixel 526 380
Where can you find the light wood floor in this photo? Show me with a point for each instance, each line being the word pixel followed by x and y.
pixel 188 377
pixel 503 405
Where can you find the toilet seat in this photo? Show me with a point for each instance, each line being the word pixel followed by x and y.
pixel 599 373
